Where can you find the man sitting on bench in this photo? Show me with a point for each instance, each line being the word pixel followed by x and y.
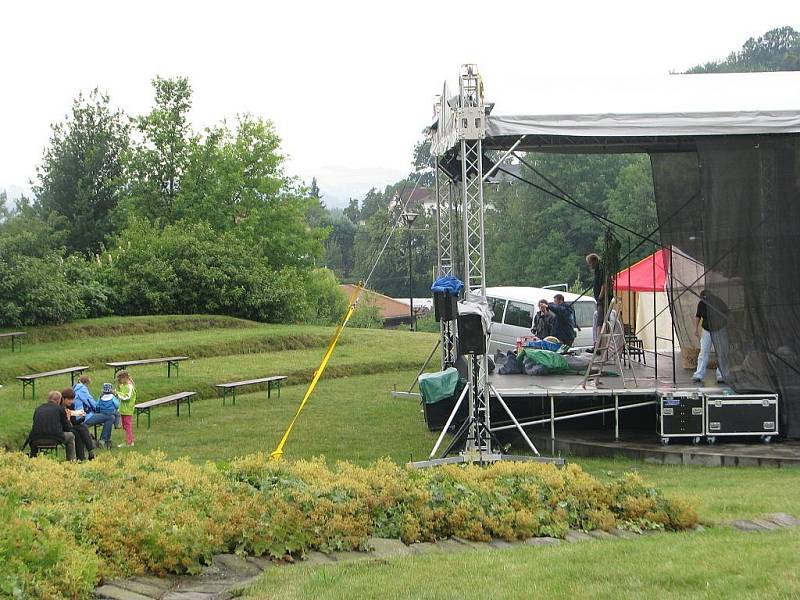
pixel 51 427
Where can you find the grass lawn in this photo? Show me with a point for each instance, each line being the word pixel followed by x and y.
pixel 715 564
pixel 348 418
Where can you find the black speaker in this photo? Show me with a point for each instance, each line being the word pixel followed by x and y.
pixel 471 336
pixel 445 306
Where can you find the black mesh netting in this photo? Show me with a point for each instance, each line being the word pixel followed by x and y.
pixel 732 211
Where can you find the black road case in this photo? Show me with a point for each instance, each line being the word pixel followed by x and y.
pixel 680 414
pixel 741 414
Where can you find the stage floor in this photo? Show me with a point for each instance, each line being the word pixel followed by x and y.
pixel 644 380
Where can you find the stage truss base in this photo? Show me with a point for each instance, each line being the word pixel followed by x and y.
pixel 484 458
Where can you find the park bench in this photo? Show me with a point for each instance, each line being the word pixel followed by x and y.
pixel 176 399
pixel 172 362
pixel 30 380
pixel 15 342
pixel 224 387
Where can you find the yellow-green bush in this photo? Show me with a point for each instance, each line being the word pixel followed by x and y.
pixel 64 527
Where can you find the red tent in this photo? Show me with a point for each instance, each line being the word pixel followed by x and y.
pixel 640 277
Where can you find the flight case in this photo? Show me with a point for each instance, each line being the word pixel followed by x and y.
pixel 680 414
pixel 741 414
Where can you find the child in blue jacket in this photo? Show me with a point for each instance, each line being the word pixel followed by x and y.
pixel 108 403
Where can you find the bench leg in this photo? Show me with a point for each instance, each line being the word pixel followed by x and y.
pixel 269 389
pixel 234 396
pixel 224 395
pixel 189 402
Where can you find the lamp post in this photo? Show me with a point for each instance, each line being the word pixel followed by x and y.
pixel 409 218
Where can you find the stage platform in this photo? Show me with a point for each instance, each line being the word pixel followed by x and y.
pixel 647 382
pixel 643 446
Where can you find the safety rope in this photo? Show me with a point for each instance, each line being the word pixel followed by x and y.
pixel 277 454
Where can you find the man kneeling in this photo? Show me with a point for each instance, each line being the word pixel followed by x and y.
pixel 51 427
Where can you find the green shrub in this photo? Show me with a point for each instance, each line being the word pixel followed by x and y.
pixel 64 527
pixel 36 290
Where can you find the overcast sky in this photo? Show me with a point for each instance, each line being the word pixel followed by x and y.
pixel 349 85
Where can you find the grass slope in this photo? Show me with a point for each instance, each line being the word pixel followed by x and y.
pixel 219 355
pixel 714 564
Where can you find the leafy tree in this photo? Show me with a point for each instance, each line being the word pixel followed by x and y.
pixel 81 175
pixel 632 203
pixel 776 50
pixel 161 154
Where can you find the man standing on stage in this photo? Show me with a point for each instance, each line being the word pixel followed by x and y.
pixel 712 314
pixel 598 290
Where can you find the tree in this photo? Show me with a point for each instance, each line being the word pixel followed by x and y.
pixel 234 181
pixel 776 50
pixel 161 155
pixel 632 203
pixel 81 175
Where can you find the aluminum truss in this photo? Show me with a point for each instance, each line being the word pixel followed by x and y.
pixel 464 127
pixel 445 256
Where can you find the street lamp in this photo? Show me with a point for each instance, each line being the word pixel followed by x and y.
pixel 409 218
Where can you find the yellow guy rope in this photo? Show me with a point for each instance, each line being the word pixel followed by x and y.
pixel 277 454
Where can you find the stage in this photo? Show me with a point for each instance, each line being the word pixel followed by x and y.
pixel 614 403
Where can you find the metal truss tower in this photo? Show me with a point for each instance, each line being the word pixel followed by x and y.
pixel 457 144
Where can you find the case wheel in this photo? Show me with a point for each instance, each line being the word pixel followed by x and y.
pixel 696 440
pixel 766 439
pixel 711 440
pixel 664 441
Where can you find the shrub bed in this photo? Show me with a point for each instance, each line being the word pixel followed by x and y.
pixel 65 527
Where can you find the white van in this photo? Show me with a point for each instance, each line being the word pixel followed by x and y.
pixel 514 307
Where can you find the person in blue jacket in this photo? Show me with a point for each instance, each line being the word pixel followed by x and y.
pixel 563 326
pixel 85 402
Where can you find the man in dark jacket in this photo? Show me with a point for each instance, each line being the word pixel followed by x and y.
pixel 51 426
pixel 564 318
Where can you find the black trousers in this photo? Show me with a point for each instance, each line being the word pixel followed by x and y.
pixel 84 444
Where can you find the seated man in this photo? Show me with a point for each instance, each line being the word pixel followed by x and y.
pixel 86 403
pixel 51 427
pixel 84 444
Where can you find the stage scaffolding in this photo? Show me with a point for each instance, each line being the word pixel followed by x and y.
pixel 462 130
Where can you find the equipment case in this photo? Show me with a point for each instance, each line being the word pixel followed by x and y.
pixel 680 414
pixel 741 414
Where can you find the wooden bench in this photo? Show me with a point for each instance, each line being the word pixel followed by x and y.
pixel 176 399
pixel 15 342
pixel 276 379
pixel 30 380
pixel 172 361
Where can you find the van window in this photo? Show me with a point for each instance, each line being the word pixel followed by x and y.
pixel 496 305
pixel 584 312
pixel 519 314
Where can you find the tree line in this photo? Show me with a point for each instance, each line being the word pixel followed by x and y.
pixel 532 239
pixel 145 215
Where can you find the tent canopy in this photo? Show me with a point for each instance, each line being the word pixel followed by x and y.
pixel 664 113
pixel 640 277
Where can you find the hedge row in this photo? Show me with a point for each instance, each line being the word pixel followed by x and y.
pixel 64 527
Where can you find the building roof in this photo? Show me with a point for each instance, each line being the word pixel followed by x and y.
pixel 388 308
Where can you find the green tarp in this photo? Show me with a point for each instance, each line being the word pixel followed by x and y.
pixel 438 386
pixel 554 362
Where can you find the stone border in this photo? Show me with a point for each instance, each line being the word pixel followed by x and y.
pixel 230 572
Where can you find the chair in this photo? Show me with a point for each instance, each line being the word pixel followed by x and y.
pixel 634 345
